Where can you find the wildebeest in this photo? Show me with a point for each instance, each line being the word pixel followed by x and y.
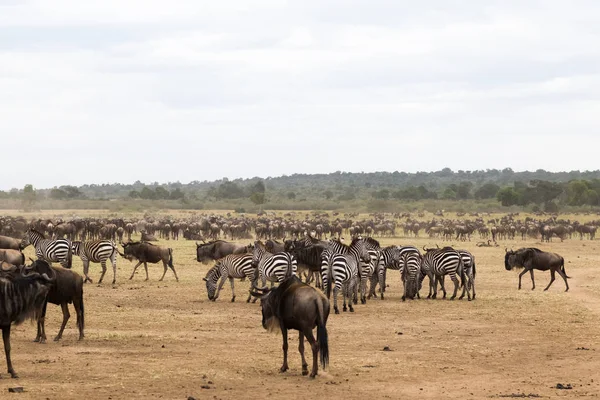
pixel 296 305
pixel 67 288
pixel 531 258
pixel 14 257
pixel 23 294
pixel 148 253
pixel 215 250
pixel 6 242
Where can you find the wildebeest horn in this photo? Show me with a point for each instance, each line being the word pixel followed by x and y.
pixel 31 259
pixel 205 280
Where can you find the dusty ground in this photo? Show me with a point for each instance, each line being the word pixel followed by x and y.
pixel 166 340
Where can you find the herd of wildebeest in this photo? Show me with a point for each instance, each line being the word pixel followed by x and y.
pixel 292 251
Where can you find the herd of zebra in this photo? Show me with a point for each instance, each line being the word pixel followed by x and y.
pixel 338 267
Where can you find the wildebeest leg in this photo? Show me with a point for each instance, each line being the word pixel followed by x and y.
pixel 552 277
pixel 232 290
pixel 562 274
pixel 315 350
pixel 301 350
pixel 41 331
pixel 66 316
pixel 164 272
pixel 532 280
pixel 134 268
pixel 520 276
pixel 146 268
pixel 284 332
pixel 103 264
pixel 6 339
pixel 86 268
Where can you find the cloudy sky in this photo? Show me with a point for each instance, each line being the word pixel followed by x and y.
pixel 125 90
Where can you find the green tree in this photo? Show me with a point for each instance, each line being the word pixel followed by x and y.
pixel 29 197
pixel 487 191
pixel 449 194
pixel 58 194
pixel 147 193
pixel 134 194
pixel 576 192
pixel 464 190
pixel 508 196
pixel 161 193
pixel 328 194
pixel 291 195
pixel 177 194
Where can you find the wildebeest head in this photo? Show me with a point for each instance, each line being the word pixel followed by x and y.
pixel 509 258
pixel 204 252
pixel 270 321
pixel 517 259
pixel 129 250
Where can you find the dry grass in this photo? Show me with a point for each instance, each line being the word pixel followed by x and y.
pixel 166 340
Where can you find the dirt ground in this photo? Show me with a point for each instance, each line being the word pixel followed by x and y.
pixel 166 340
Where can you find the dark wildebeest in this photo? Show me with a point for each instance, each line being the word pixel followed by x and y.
pixel 296 305
pixel 148 253
pixel 531 258
pixel 216 250
pixel 7 242
pixel 67 288
pixel 14 257
pixel 23 294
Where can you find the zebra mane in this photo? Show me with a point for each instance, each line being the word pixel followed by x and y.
pixel 372 241
pixel 38 232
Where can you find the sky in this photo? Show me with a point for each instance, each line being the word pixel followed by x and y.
pixel 182 90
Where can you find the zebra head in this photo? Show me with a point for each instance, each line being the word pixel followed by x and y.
pixel 211 278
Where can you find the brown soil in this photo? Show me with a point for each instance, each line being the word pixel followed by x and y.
pixel 166 340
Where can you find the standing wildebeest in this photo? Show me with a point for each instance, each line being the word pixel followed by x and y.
pixel 23 297
pixel 14 257
pixel 296 305
pixel 67 288
pixel 531 258
pixel 7 242
pixel 218 249
pixel 148 253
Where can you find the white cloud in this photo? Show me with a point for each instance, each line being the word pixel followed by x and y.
pixel 185 90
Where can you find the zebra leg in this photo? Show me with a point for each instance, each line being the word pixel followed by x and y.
pixel 86 268
pixel 221 283
pixel 232 290
pixel 134 268
pixel 344 295
pixel 363 289
pixel 284 367
pixel 432 286
pixel 66 316
pixel 114 266
pixel 456 284
pixel 301 350
pixel 352 288
pixel 442 281
pixel 336 289
pixel 103 264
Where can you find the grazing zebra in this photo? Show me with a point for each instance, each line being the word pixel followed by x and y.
pixel 97 251
pixel 339 268
pixel 49 250
pixel 238 266
pixel 440 262
pixel 389 258
pixel 272 267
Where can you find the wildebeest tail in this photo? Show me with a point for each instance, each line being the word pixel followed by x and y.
pixel 70 256
pixel 562 267
pixel 171 258
pixel 322 335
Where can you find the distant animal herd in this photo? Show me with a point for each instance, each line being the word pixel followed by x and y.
pixel 290 251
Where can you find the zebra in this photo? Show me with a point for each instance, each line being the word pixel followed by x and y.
pixel 96 251
pixel 468 260
pixel 49 250
pixel 272 267
pixel 390 258
pixel 232 266
pixel 440 262
pixel 410 259
pixel 339 268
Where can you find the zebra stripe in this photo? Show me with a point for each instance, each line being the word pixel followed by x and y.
pixel 49 250
pixel 339 268
pixel 440 262
pixel 97 251
pixel 238 266
pixel 272 267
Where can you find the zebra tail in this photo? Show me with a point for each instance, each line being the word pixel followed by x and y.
pixel 474 270
pixel 461 267
pixel 171 258
pixel 322 335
